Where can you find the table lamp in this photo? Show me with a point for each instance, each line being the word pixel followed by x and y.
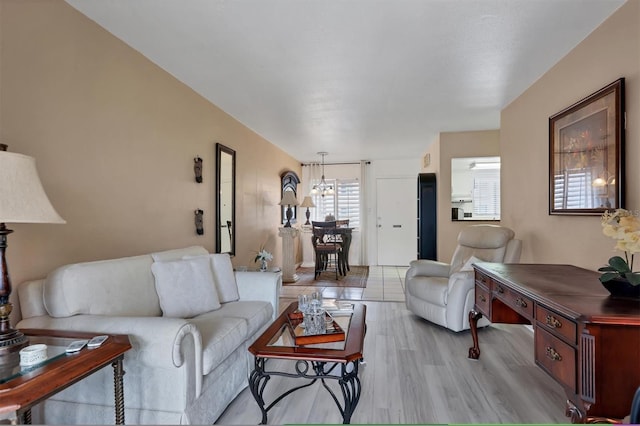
pixel 22 200
pixel 307 202
pixel 288 199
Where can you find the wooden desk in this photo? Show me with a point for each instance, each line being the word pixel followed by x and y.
pixel 584 339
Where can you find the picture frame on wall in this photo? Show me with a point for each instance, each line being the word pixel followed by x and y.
pixel 586 154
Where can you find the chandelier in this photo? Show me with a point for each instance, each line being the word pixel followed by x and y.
pixel 322 188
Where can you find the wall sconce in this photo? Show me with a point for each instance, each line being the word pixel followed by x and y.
pixel 198 218
pixel 197 169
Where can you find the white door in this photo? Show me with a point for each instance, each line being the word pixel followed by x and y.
pixel 396 220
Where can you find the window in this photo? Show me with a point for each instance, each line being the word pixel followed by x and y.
pixel 475 188
pixel 343 204
pixel 486 193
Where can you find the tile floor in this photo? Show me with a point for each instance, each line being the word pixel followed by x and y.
pixel 385 283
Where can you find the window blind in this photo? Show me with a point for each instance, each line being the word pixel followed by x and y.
pixel 486 193
pixel 573 190
pixel 343 204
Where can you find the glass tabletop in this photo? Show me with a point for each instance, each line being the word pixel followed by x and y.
pixel 55 350
pixel 284 336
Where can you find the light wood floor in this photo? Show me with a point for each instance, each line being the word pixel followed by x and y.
pixel 417 372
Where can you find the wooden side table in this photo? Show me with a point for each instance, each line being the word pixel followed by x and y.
pixel 21 388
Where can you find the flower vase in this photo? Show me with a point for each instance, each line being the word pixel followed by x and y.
pixel 263 265
pixel 620 287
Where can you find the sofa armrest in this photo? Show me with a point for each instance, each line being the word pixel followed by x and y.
pixel 429 268
pixel 156 341
pixel 30 298
pixel 260 286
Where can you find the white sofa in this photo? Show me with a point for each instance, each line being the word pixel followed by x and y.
pixel 443 293
pixel 186 365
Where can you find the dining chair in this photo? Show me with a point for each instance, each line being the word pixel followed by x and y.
pixel 344 238
pixel 327 250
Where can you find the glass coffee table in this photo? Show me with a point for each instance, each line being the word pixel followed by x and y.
pixel 23 387
pixel 336 361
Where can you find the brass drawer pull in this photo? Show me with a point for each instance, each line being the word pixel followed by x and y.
pixel 482 298
pixel 553 355
pixel 553 322
pixel 520 302
pixel 500 290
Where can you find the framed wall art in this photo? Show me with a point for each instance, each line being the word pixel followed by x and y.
pixel 586 154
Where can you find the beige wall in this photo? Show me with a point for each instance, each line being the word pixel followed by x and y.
pixel 610 52
pixel 480 143
pixel 114 138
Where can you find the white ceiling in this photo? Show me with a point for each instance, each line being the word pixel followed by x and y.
pixel 361 79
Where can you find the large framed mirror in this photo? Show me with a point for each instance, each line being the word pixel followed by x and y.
pixel 225 199
pixel 290 182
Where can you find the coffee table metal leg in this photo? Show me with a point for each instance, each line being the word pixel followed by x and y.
pixel 118 373
pixel 350 387
pixel 257 382
pixel 347 379
pixel 259 378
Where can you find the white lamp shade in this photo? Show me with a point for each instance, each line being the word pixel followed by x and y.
pixel 307 202
pixel 288 199
pixel 22 197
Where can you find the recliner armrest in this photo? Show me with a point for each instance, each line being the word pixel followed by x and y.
pixel 429 268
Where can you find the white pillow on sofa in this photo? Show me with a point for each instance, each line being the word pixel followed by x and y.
pixel 185 287
pixel 223 276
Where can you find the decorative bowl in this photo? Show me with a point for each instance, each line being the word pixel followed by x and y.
pixel 32 355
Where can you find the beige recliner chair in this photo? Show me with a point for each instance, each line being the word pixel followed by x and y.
pixel 443 293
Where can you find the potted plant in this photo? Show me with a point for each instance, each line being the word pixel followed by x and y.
pixel 618 276
pixel 263 256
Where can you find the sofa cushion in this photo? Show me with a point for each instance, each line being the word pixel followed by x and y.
pixel 118 287
pixel 255 313
pixel 223 276
pixel 221 335
pixel 429 289
pixel 185 287
pixel 177 254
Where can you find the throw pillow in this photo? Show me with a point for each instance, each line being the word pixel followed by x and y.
pixel 223 276
pixel 185 287
pixel 467 266
pixel 179 253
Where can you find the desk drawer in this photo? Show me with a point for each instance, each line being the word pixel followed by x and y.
pixel 483 300
pixel 521 304
pixel 483 279
pixel 556 358
pixel 557 325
